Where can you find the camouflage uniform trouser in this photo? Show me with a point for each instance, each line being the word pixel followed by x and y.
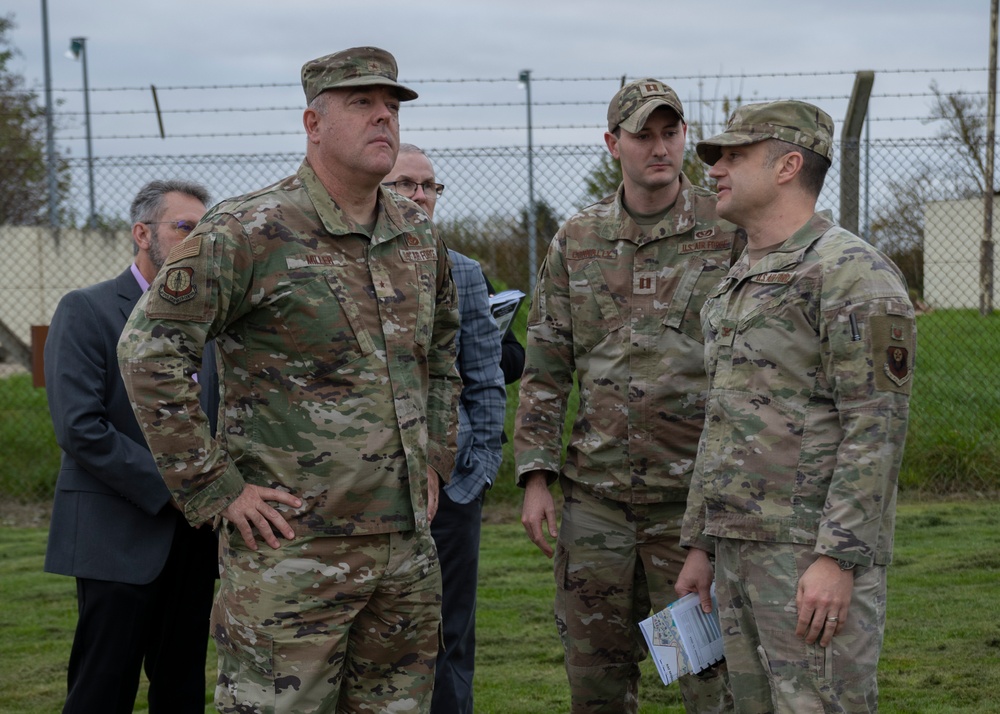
pixel 772 670
pixel 614 562
pixel 328 624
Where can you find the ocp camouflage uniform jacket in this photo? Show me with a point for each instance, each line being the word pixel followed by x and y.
pixel 619 306
pixel 337 359
pixel 810 355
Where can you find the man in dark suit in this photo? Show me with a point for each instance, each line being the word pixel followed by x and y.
pixel 144 577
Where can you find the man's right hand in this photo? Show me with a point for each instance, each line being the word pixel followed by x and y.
pixel 696 577
pixel 251 510
pixel 538 507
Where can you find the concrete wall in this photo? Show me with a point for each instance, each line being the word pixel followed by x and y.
pixel 38 266
pixel 953 232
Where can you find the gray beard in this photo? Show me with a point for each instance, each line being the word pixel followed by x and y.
pixel 156 256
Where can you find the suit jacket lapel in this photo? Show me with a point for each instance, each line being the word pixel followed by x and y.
pixel 129 291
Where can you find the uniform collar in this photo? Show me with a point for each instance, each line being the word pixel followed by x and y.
pixel 789 253
pixel 681 217
pixel 394 215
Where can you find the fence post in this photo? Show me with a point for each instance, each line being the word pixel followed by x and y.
pixel 986 249
pixel 850 154
pixel 525 78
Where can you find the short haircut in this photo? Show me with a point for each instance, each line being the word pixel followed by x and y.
pixel 319 103
pixel 814 166
pixel 411 149
pixel 147 206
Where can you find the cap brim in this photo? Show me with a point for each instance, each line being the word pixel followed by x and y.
pixel 638 119
pixel 710 150
pixel 405 93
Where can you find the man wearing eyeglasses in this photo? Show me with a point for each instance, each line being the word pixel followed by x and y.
pixel 335 316
pixel 405 179
pixel 144 577
pixel 457 525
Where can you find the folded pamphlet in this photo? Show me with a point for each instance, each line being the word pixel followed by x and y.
pixel 682 639
pixel 504 306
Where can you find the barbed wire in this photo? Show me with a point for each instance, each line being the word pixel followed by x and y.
pixel 511 80
pixel 567 149
pixel 516 127
pixel 477 105
pixel 73 122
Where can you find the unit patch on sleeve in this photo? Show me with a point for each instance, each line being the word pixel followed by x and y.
pixel 178 285
pixel 893 343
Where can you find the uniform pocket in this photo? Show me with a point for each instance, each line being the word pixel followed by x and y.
pixel 595 313
pixel 312 328
pixel 246 663
pixel 681 314
pixel 247 645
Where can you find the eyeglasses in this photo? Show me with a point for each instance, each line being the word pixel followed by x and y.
pixel 409 188
pixel 184 227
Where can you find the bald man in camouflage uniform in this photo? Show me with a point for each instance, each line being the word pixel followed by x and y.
pixel 617 303
pixel 335 314
pixel 810 347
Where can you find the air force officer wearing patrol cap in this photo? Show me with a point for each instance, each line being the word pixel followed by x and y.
pixel 335 315
pixel 810 347
pixel 617 302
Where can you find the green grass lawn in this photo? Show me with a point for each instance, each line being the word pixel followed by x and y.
pixel 29 455
pixel 953 444
pixel 942 647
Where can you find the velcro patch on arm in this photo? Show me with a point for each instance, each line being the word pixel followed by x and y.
pixel 179 292
pixel 893 346
pixel 187 248
pixel 178 285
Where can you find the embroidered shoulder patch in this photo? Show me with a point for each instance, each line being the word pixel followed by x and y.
pixel 178 285
pixel 893 344
pixel 187 248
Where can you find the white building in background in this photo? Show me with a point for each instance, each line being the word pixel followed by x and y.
pixel 953 234
pixel 36 270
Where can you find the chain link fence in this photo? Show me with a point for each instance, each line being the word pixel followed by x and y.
pixel 920 201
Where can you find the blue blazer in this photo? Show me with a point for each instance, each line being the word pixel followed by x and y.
pixel 111 517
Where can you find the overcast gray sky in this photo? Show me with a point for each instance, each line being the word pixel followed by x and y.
pixel 704 49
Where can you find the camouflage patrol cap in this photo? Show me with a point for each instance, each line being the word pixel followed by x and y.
pixel 796 122
pixel 356 67
pixel 633 103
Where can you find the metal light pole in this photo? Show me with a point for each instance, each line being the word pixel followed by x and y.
pixel 525 78
pixel 78 50
pixel 50 132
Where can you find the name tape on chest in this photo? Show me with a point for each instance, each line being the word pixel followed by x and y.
pixel 421 255
pixel 589 253
pixel 704 242
pixel 317 260
pixel 772 278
